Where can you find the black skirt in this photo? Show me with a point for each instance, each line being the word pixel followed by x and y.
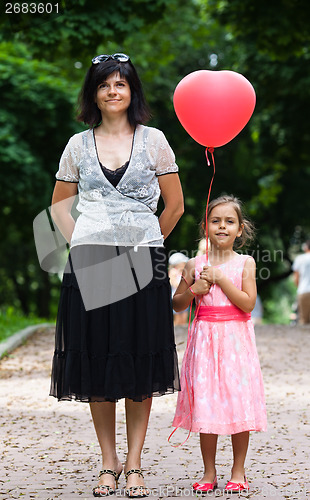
pixel 114 331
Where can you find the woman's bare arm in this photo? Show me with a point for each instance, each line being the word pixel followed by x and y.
pixel 63 198
pixel 171 192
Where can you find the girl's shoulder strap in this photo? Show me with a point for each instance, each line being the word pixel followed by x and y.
pixel 201 259
pixel 242 258
pixel 245 256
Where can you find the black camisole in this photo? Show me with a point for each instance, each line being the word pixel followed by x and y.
pixel 114 176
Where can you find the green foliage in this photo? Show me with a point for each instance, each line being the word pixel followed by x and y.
pixel 80 26
pixel 279 28
pixel 36 120
pixel 11 321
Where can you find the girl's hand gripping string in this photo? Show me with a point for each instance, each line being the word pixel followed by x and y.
pixel 188 287
pixel 201 286
pixel 212 274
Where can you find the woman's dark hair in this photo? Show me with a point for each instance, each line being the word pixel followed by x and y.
pixel 248 231
pixel 89 113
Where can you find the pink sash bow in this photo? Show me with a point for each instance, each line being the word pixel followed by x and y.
pixel 222 313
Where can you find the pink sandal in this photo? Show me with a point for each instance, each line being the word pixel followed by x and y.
pixel 237 487
pixel 205 487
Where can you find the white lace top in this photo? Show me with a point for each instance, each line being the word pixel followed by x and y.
pixel 124 215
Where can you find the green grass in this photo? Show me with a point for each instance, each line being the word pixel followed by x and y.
pixel 11 321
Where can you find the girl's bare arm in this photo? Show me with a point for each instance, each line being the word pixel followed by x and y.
pixel 183 295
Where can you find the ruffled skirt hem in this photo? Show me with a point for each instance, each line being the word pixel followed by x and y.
pixel 111 378
pixel 222 429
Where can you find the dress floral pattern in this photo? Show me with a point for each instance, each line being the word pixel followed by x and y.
pixel 221 370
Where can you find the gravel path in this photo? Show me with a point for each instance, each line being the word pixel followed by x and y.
pixel 49 449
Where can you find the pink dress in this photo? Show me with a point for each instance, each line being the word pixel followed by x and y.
pixel 222 369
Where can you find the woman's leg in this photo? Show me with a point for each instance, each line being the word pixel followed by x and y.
pixel 240 443
pixel 103 415
pixel 208 444
pixel 137 418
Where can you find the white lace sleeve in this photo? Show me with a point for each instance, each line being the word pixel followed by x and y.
pixel 165 158
pixel 69 162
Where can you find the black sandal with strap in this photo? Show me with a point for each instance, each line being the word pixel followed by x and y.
pixel 109 489
pixel 136 491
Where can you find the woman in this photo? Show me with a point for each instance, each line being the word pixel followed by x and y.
pixel 114 334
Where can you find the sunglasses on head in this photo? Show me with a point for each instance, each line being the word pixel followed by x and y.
pixel 105 57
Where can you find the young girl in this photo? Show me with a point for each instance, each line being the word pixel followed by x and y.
pixel 221 381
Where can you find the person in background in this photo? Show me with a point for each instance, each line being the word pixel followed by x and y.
pixel 202 245
pixel 258 311
pixel 301 268
pixel 177 262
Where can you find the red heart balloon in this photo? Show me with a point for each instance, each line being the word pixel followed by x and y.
pixel 214 106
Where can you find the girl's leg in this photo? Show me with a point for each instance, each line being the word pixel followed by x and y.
pixel 137 418
pixel 240 443
pixel 103 415
pixel 208 444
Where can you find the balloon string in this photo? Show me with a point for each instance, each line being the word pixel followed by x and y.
pixel 190 331
pixel 211 150
pixel 190 394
